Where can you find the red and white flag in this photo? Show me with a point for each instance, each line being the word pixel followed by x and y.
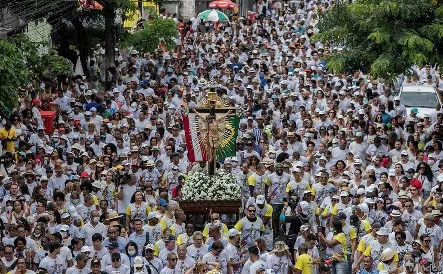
pixel 196 149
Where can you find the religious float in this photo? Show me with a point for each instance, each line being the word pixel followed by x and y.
pixel 211 133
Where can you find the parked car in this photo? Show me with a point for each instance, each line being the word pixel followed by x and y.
pixel 424 98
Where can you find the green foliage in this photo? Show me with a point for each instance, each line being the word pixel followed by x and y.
pixel 383 37
pixel 14 73
pixel 41 66
pixel 155 31
pixel 20 62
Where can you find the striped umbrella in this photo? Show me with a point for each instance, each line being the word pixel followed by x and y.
pixel 213 16
pixel 222 4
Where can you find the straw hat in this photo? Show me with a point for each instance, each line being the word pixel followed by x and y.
pixel 113 216
pixel 280 246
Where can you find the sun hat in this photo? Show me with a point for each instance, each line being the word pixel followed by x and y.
pixel 384 231
pixel 387 254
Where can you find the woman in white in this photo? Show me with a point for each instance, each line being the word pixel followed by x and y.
pixel 21 267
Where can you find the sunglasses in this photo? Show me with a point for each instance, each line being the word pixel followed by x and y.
pixel 173 259
pixel 115 260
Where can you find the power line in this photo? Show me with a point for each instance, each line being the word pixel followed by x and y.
pixel 58 18
pixel 48 9
pixel 20 12
pixel 69 16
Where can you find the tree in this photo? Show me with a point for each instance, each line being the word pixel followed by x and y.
pixel 383 37
pixel 20 62
pixel 154 32
pixel 109 13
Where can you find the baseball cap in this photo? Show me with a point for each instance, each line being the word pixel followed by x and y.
pixel 85 249
pixel 84 174
pixel 376 225
pixel 260 199
pixel 341 216
pixel 304 228
pixel 64 228
pixel 138 261
pixel 162 202
pixel 169 238
pixel 115 256
pixel 353 219
pixel 233 232
pixel 153 214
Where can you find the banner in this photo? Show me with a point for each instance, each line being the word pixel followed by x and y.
pixel 196 144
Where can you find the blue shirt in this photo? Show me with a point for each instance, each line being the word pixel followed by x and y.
pixel 364 271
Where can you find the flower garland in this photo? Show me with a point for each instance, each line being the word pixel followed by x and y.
pixel 201 187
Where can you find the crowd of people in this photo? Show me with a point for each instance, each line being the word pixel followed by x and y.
pixel 337 176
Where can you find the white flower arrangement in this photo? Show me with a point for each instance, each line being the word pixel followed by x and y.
pixel 201 187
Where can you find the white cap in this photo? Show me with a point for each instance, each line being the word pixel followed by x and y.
pixel 304 228
pixel 153 214
pixel 361 111
pixel 260 199
pixel 363 207
pixel 304 207
pixel 85 249
pixel 391 172
pixel 233 232
pixel 361 191
pixel 64 228
pixel 138 261
pixel 344 194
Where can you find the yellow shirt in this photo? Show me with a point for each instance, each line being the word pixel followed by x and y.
pixel 8 134
pixel 128 210
pixel 304 263
pixel 366 225
pixel 224 231
pixel 368 253
pixel 289 187
pixel 95 200
pixel 361 246
pixel 341 237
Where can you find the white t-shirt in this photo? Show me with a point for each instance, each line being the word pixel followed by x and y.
pixel 56 265
pixel 222 259
pixel 280 265
pixel 123 269
pixel 75 270
pixel 256 266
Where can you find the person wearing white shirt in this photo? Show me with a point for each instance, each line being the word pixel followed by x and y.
pixel 154 263
pixel 217 255
pixel 117 266
pixel 170 247
pixel 53 263
pixel 170 268
pixel 92 227
pixel 184 262
pixel 80 267
pixel 256 263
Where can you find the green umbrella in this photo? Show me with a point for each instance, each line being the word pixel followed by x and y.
pixel 214 16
